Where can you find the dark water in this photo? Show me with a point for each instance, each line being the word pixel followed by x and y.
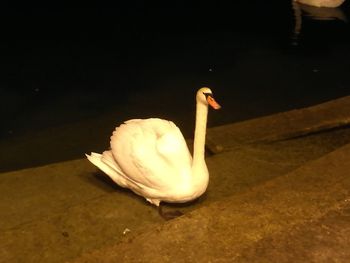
pixel 70 75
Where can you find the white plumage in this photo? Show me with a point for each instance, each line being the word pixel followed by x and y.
pixel 150 157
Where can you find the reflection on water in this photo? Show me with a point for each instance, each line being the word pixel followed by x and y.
pixel 304 9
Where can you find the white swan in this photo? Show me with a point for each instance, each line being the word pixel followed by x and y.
pixel 322 3
pixel 151 158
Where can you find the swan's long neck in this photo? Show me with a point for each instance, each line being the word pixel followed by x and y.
pixel 199 137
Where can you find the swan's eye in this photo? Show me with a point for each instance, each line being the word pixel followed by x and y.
pixel 207 94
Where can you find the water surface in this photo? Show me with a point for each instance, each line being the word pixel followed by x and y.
pixel 71 75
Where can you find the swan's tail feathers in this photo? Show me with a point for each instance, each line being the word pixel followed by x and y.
pixel 106 163
pixel 95 158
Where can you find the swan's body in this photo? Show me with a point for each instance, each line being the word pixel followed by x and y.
pixel 150 157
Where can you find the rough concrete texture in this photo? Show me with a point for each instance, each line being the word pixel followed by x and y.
pixel 324 240
pixel 222 230
pixel 258 191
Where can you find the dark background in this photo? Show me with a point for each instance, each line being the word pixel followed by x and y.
pixel 70 75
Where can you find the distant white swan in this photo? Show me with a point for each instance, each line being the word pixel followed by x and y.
pixel 151 158
pixel 316 10
pixel 321 3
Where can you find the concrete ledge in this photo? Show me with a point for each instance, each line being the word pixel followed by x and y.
pixel 30 194
pixel 324 240
pixel 291 124
pixel 56 212
pixel 221 231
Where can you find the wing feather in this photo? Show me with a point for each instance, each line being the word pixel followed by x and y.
pixel 151 152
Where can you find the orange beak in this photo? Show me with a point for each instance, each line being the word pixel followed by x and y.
pixel 213 103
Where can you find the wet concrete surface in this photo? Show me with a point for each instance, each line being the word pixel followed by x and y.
pixel 222 231
pixel 258 190
pixel 326 239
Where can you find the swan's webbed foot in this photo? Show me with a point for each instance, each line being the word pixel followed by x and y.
pixel 168 215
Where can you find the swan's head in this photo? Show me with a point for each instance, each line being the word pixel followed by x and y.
pixel 205 96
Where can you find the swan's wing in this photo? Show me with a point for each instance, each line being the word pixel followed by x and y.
pixel 118 176
pixel 152 152
pixel 106 163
